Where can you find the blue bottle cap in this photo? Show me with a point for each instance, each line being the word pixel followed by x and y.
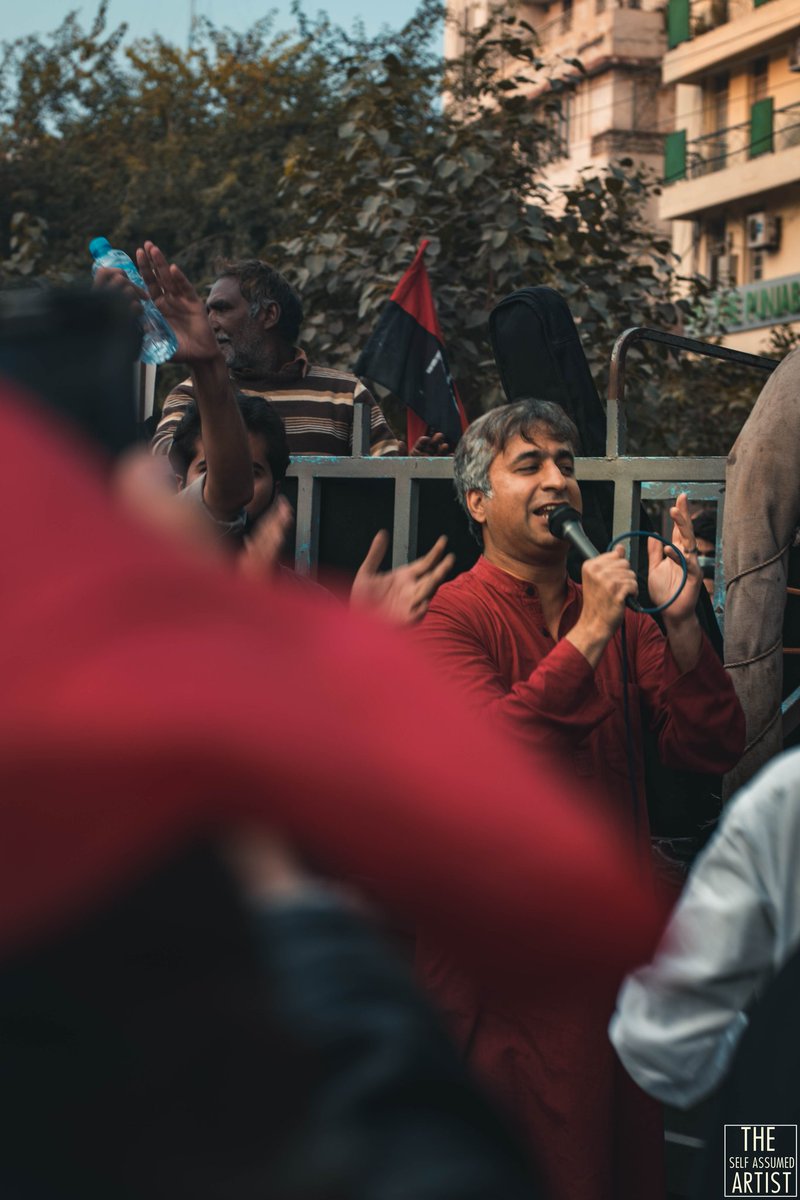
pixel 99 246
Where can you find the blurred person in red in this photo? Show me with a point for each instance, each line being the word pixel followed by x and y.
pixel 540 657
pixel 154 705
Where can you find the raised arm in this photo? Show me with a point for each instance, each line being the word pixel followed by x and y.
pixel 229 466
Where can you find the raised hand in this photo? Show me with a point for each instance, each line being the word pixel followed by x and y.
pixel 664 573
pixel 402 595
pixel 179 303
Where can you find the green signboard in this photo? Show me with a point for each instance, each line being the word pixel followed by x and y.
pixel 769 302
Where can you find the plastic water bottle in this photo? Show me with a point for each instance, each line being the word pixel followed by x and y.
pixel 158 341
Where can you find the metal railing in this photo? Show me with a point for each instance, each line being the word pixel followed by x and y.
pixel 786 130
pixel 702 478
pixel 725 147
pixel 632 476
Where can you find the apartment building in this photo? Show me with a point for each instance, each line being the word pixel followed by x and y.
pixel 618 108
pixel 732 162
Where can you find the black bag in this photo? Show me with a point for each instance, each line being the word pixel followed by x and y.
pixel 539 355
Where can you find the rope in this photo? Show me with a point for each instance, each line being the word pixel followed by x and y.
pixel 729 666
pixel 760 566
pixel 754 741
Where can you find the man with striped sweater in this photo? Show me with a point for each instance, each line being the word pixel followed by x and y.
pixel 256 315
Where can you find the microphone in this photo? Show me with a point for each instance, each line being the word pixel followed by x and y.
pixel 564 522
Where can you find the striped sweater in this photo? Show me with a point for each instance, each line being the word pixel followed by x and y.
pixel 315 404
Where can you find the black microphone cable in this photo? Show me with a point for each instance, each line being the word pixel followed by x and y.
pixel 565 523
pixel 651 611
pixel 645 533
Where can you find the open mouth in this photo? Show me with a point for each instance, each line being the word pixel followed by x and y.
pixel 544 510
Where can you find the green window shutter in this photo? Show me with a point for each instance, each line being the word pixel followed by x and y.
pixel 761 127
pixel 677 23
pixel 675 156
pixel 758 3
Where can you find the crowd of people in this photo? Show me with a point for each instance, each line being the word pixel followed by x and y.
pixel 229 800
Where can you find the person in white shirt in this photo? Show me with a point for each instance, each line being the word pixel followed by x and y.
pixel 679 1020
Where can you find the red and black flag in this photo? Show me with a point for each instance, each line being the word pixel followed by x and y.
pixel 406 355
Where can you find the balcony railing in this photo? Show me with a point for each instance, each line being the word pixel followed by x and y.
pixel 716 151
pixel 768 130
pixel 687 19
pixel 787 127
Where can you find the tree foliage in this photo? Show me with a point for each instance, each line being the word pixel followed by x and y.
pixel 333 155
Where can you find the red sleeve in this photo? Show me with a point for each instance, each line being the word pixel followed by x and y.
pixel 697 714
pixel 554 708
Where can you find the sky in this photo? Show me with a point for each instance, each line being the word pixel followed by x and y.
pixel 170 18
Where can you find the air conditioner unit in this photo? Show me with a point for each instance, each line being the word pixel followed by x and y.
pixel 763 232
pixel 794 55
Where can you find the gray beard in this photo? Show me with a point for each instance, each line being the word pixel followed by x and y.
pixel 248 366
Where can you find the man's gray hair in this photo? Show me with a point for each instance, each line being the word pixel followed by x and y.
pixel 487 437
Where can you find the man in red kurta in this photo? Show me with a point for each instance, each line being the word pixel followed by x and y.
pixel 542 657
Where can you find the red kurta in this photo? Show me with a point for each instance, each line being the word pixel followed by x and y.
pixel 595 1135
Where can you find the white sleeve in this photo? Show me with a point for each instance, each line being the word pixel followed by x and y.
pixel 678 1020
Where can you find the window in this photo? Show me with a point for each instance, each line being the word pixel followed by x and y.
pixel 723 266
pixel 716 247
pixel 565 121
pixel 716 103
pixel 758 79
pixel 713 147
pixel 560 120
pixel 756 266
pixel 566 16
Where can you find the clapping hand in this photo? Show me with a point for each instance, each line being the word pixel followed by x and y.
pixel 401 595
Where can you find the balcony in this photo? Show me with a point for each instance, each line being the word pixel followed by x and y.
pixel 613 33
pixel 759 155
pixel 712 34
